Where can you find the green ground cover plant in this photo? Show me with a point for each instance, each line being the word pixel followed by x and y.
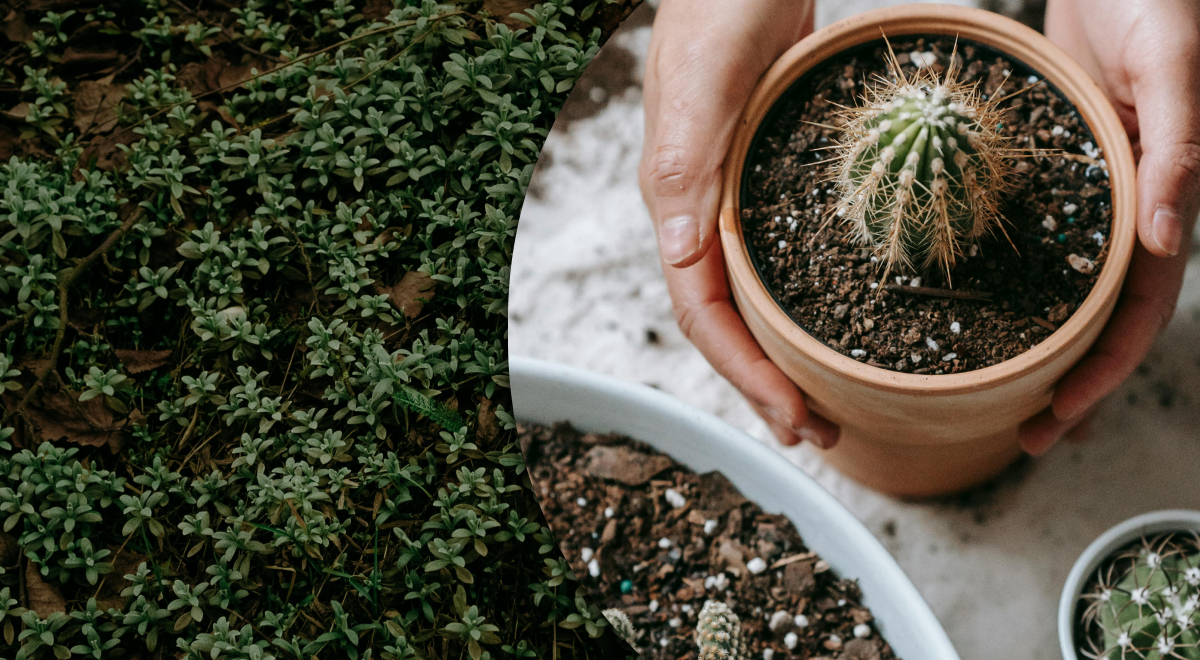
pixel 254 258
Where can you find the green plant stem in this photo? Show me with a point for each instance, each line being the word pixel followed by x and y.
pixel 63 287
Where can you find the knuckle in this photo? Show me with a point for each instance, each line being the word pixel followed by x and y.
pixel 1184 159
pixel 685 318
pixel 669 170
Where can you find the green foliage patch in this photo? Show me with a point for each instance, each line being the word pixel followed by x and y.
pixel 253 271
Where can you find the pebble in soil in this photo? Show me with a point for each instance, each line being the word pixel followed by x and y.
pixel 657 541
pixel 1058 221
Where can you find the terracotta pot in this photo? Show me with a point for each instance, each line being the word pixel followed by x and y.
pixel 907 434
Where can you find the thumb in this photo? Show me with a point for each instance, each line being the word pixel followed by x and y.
pixel 695 89
pixel 1166 90
pixel 681 165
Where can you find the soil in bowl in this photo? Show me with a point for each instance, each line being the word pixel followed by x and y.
pixel 650 537
pixel 1008 293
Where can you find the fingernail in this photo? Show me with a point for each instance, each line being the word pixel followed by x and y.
pixel 809 434
pixel 1065 410
pixel 1167 230
pixel 678 238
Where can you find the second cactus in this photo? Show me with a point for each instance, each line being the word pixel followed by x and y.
pixel 719 633
pixel 1150 609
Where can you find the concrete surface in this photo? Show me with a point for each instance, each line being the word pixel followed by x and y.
pixel 587 290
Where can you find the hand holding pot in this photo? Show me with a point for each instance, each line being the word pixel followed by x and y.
pixel 1145 55
pixel 702 65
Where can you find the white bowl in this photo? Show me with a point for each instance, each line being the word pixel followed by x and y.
pixel 545 393
pixel 1147 524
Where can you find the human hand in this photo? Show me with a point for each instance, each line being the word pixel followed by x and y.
pixel 1145 54
pixel 704 61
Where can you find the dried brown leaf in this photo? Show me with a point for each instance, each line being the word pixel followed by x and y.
pixel 77 59
pixel 195 76
pixel 61 416
pixel 125 562
pixel 95 104
pixel 42 596
pixel 240 73
pixel 137 362
pixel 373 10
pixel 488 427
pixel 10 551
pixel 411 293
pixel 502 10
pixel 16 29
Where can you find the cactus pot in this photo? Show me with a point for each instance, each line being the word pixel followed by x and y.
pixel 545 393
pixel 1100 550
pixel 924 435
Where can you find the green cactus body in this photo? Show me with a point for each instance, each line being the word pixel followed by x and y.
pixel 719 633
pixel 1152 612
pixel 920 171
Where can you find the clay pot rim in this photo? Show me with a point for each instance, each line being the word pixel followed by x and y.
pixel 1015 40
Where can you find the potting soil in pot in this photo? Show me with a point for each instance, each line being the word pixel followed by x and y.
pixel 650 537
pixel 1003 297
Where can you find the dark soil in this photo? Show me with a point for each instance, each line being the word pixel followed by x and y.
pixel 1014 298
pixel 659 561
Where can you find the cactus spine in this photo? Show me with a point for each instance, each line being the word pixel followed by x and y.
pixel 921 168
pixel 621 625
pixel 719 633
pixel 1147 605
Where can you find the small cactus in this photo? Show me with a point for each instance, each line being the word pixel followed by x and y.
pixel 621 625
pixel 1146 604
pixel 719 634
pixel 921 168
